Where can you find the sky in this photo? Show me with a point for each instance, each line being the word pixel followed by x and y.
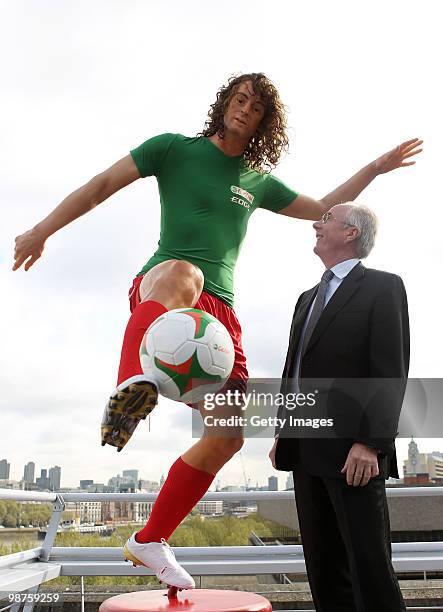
pixel 83 83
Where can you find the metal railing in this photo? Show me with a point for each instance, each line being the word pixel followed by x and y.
pixel 27 570
pixel 41 496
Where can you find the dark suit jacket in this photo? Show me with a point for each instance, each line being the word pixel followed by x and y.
pixel 362 333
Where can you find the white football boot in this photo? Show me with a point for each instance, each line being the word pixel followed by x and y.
pixel 159 557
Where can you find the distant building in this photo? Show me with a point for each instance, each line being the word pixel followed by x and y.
pixel 74 511
pixel 131 475
pixel 272 483
pixel 55 474
pixel 128 487
pixel 141 511
pixel 115 481
pixel 126 511
pixel 29 472
pixel 422 468
pixel 30 486
pixel 11 484
pixel 210 507
pixel 90 512
pixel 151 486
pixel 43 481
pixel 290 481
pixel 237 506
pixel 84 484
pixel 123 483
pixel 99 487
pixel 4 469
pixel 108 511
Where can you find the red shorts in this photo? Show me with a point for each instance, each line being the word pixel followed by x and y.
pixel 226 315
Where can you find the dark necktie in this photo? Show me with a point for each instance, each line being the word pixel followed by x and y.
pixel 318 307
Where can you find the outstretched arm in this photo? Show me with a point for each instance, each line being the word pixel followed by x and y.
pixel 29 246
pixel 304 207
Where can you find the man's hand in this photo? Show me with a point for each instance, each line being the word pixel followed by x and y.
pixel 396 158
pixel 28 248
pixel 361 465
pixel 272 453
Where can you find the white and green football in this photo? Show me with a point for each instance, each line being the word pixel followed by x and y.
pixel 189 353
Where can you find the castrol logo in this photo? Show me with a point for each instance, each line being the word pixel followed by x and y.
pixel 242 192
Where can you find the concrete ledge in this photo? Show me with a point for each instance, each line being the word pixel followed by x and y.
pixel 419 513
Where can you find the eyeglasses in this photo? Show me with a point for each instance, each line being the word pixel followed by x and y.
pixel 328 215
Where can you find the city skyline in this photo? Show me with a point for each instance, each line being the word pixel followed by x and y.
pixel 125 474
pixel 283 478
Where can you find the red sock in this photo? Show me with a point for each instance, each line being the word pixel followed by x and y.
pixel 183 488
pixel 142 317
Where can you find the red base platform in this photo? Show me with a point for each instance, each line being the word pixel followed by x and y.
pixel 197 600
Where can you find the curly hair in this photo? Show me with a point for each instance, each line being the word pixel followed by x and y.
pixel 266 146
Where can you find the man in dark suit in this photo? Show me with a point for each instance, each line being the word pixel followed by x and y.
pixel 353 327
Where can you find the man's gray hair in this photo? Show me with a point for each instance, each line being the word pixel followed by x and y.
pixel 366 222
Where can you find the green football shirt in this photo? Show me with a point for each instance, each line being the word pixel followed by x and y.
pixel 207 198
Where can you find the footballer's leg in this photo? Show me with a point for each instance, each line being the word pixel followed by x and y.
pixel 193 472
pixel 188 480
pixel 170 284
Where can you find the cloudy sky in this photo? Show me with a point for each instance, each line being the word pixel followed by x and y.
pixel 83 83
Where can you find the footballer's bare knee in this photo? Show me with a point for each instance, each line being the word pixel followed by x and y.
pixel 210 453
pixel 221 450
pixel 228 447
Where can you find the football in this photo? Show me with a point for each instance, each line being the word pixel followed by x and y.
pixel 189 353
